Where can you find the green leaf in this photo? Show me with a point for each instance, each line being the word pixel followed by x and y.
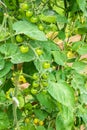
pixel 82 5
pixel 78 82
pixel 29 126
pixel 38 64
pixel 6 69
pixel 80 67
pixel 61 19
pixel 76 45
pixel 48 18
pixel 4 122
pixel 2 80
pixel 62 92
pixel 50 128
pixel 46 101
pixel 29 29
pixel 40 114
pixel 59 57
pixel 12 51
pixel 82 50
pixel 83 98
pixel 40 128
pixel 82 29
pixel 61 34
pixel 2 96
pixel 8 49
pixel 47 45
pixel 22 57
pixel 2 63
pixel 82 112
pixel 64 120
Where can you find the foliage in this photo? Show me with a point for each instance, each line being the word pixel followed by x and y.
pixel 43 65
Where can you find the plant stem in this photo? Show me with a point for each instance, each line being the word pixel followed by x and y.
pixel 15 122
pixel 10 20
pixel 66 12
pixel 15 114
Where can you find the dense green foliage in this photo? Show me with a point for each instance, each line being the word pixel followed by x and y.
pixel 43 65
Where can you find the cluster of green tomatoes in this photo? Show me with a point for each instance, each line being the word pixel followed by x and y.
pixel 29 14
pixel 40 81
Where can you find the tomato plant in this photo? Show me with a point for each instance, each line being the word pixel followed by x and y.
pixel 43 65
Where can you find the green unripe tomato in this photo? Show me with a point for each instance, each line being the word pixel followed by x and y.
pixel 19 38
pixel 46 65
pixel 24 49
pixel 34 19
pixel 23 6
pixel 41 27
pixel 35 76
pixel 29 13
pixel 45 76
pixel 36 121
pixel 35 84
pixel 34 91
pixel 39 51
pixel 44 83
pixel 27 120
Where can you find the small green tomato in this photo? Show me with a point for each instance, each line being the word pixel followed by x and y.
pixel 39 51
pixel 24 49
pixel 23 6
pixel 34 19
pixel 45 75
pixel 46 65
pixel 41 27
pixel 29 13
pixel 35 76
pixel 44 83
pixel 35 84
pixel 34 91
pixel 19 38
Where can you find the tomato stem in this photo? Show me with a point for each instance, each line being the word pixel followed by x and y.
pixel 15 122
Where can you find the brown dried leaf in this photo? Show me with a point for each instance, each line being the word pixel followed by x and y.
pixel 24 86
pixel 74 38
pixel 82 127
pixel 70 64
pixel 83 57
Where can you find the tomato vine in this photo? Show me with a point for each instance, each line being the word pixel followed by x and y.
pixel 43 62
